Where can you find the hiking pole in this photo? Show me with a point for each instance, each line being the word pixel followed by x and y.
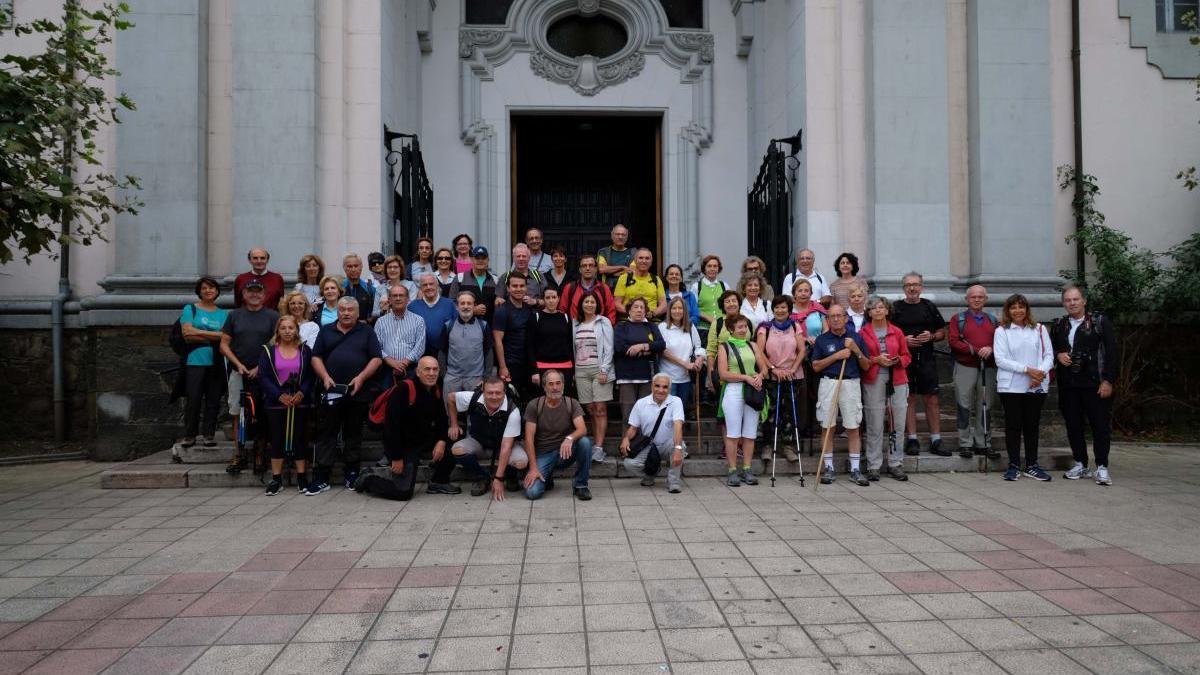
pixel 697 388
pixel 796 431
pixel 775 446
pixel 985 462
pixel 827 437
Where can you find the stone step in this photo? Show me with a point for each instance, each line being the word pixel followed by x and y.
pixel 158 471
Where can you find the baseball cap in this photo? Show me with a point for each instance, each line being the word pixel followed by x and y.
pixel 255 284
pixel 376 258
pixel 479 252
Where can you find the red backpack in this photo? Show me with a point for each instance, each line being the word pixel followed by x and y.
pixel 378 412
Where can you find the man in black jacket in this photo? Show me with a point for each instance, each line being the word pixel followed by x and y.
pixel 1085 349
pixel 415 424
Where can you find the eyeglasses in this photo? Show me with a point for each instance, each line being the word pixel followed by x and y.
pixel 444 257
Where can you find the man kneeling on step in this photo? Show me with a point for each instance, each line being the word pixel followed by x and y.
pixel 555 435
pixel 492 427
pixel 415 424
pixel 656 433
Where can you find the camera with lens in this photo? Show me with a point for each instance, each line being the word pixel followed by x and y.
pixel 1078 361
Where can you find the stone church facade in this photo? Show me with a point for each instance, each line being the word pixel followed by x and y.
pixel 931 133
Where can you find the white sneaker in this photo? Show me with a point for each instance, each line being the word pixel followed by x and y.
pixel 598 455
pixel 1078 471
pixel 1102 477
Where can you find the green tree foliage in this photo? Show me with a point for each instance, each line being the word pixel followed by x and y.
pixel 52 108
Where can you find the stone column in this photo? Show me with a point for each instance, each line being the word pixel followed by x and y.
pixel 1012 171
pixel 363 126
pixel 910 141
pixel 331 214
pixel 222 259
pixel 852 98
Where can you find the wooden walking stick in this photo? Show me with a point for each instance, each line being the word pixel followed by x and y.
pixel 827 437
pixel 697 388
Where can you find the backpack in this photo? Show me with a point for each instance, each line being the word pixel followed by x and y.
pixel 962 320
pixel 179 345
pixel 378 412
pixel 629 280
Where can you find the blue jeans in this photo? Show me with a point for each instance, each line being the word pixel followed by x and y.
pixel 683 390
pixel 547 462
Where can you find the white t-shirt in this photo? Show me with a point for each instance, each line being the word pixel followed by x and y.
pixel 308 333
pixel 512 428
pixel 685 346
pixel 645 413
pixel 820 289
pixel 757 314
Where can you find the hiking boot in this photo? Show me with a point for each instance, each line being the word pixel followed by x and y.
pixel 351 480
pixel 273 488
pixel 316 487
pixel 598 455
pixel 858 478
pixel 828 476
pixel 209 441
pixel 967 452
pixel 748 477
pixel 187 441
pixel 360 480
pixel 583 494
pixel 647 481
pixel 1078 471
pixel 912 446
pixel 1013 472
pixel 234 467
pixel 442 489
pixel 511 484
pixel 732 479
pixel 935 448
pixel 872 475
pixel 480 487
pixel 790 453
pixel 897 472
pixel 1037 473
pixel 1102 477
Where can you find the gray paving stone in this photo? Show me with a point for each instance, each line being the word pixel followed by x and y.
pixel 314 657
pixel 834 609
pixel 568 619
pixel 999 633
pixel 955 605
pixel 699 614
pixel 479 622
pixel 814 665
pixel 849 639
pixel 392 656
pixel 1137 629
pixel 1067 631
pixel 700 644
pixel 618 617
pixel 962 663
pixel 470 653
pixel 408 625
pixel 1115 660
pixel 1021 603
pixel 890 608
pixel 234 660
pixel 337 627
pixel 264 629
pixel 625 648
pixel 556 650
pixel 917 637
pixel 1182 657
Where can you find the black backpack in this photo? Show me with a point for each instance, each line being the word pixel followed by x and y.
pixel 180 346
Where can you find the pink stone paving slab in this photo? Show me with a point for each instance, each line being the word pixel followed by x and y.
pixel 15 662
pixel 76 662
pixel 294 545
pixel 288 602
pixel 1085 601
pixel 1158 576
pixel 432 576
pixel 1188 622
pixel 88 607
pixel 240 582
pixel 154 605
pixel 7 627
pixel 1101 577
pixel 1145 599
pixel 223 604
pixel 1113 556
pixel 1023 542
pixel 1042 579
pixel 270 562
pixel 982 580
pixel 1190 569
pixel 373 577
pixel 330 560
pixel 156 660
pixel 299 580
pixel 1062 558
pixel 1004 560
pixel 992 527
pixel 116 633
pixel 43 635
pixel 196 582
pixel 353 600
pixel 922 582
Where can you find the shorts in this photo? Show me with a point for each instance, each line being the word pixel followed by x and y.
pixel 849 403
pixel 451 385
pixel 923 376
pixel 470 446
pixel 588 386
pixel 235 393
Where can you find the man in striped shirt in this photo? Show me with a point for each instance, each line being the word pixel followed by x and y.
pixel 401 333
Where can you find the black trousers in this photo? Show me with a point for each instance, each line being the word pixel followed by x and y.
pixel 277 425
pixel 400 487
pixel 203 385
pixel 1082 406
pixel 346 417
pixel 1022 415
pixel 784 402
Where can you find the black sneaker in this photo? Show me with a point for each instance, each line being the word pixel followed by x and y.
pixel 549 482
pixel 273 488
pixel 583 494
pixel 360 480
pixel 912 446
pixel 858 478
pixel 897 472
pixel 511 484
pixel 827 476
pixel 443 489
pixel 872 475
pixel 210 442
pixel 991 453
pixel 647 481
pixel 480 487
pixel 935 448
pixel 351 480
pixel 967 452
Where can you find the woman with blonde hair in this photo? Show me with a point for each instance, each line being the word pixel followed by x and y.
pixel 295 304
pixel 1024 356
pixel 394 273
pixel 286 377
pixel 443 270
pixel 684 354
pixel 311 270
pixel 755 305
pixel 324 312
pixel 756 264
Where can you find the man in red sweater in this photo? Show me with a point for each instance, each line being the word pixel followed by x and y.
pixel 589 281
pixel 970 340
pixel 272 281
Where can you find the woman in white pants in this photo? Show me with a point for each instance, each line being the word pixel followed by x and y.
pixel 741 365
pixel 888 352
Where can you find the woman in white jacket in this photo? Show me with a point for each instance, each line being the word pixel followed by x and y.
pixel 592 335
pixel 1024 357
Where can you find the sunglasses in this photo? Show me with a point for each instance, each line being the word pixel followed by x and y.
pixel 444 257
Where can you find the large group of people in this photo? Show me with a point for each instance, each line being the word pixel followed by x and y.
pixel 517 369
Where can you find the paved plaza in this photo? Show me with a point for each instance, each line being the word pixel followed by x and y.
pixel 947 573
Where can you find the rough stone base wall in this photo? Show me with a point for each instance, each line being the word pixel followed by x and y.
pixel 27 396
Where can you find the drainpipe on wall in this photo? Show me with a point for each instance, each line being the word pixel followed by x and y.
pixel 57 325
pixel 1077 101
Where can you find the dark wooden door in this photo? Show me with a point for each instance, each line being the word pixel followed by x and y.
pixel 575 177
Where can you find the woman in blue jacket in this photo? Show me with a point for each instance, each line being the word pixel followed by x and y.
pixel 286 377
pixel 675 288
pixel 637 345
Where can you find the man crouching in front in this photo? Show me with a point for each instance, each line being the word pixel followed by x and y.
pixel 555 435
pixel 416 423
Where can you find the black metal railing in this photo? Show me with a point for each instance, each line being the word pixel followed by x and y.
pixel 769 217
pixel 412 195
